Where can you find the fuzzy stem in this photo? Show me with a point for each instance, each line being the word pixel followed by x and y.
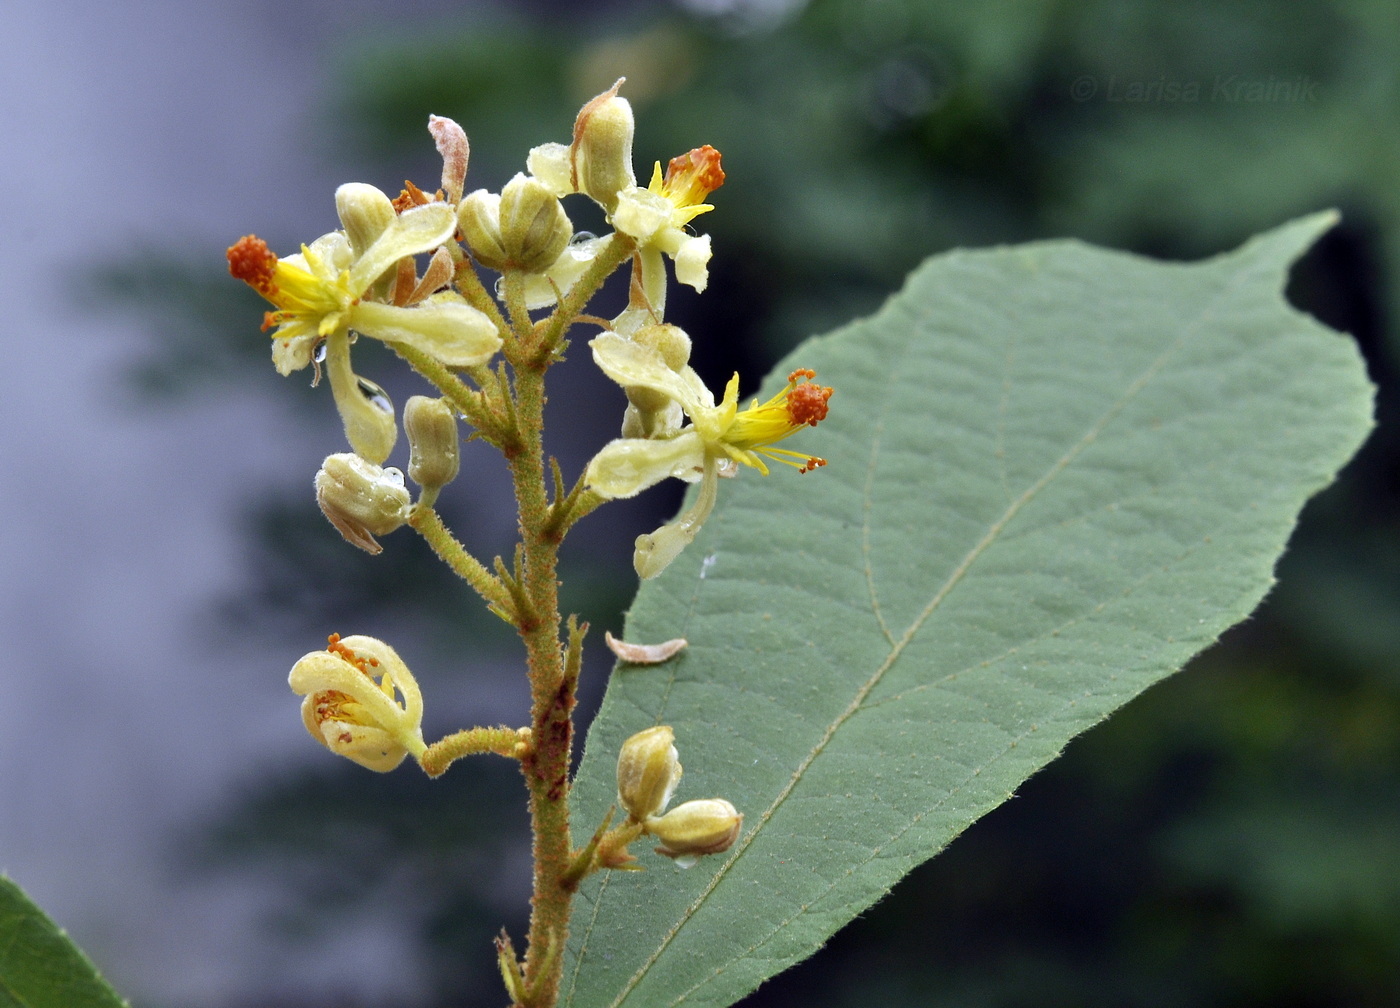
pixel 471 741
pixel 546 769
pixel 611 254
pixel 429 525
pixel 474 406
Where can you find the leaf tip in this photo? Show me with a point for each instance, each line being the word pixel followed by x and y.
pixel 1285 244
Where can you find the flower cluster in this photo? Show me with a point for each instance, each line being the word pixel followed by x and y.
pixel 413 271
pixel 407 271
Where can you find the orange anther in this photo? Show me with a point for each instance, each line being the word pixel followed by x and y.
pixel 250 260
pixel 806 403
pixel 693 176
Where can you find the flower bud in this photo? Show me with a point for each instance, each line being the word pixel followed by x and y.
pixel 524 228
pixel 648 770
pixel 361 499
pixel 672 345
pixel 353 706
pixel 479 218
pixel 670 341
pixel 364 212
pixel 602 148
pixel 534 228
pixel 706 826
pixel 434 449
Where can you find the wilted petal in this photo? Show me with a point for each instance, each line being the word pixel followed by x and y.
pixel 693 262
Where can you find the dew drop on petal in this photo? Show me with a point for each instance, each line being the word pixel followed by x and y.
pixel 687 861
pixel 319 354
pixel 581 237
pixel 375 395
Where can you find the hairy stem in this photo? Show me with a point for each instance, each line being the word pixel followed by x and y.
pixel 463 564
pixel 546 767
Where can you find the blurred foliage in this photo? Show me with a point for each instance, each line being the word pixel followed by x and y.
pixel 1229 839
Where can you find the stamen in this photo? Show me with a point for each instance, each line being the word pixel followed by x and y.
pixel 412 196
pixel 250 260
pixel 334 646
pixel 693 176
pixel 806 403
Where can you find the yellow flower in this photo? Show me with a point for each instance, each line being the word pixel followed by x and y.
pixel 657 215
pixel 322 293
pixel 353 713
pixel 627 466
pixel 719 436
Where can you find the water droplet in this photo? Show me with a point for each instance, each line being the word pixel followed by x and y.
pixel 581 237
pixel 686 861
pixel 500 288
pixel 375 395
pixel 319 354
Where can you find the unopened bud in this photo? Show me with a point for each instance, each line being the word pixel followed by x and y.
pixel 673 346
pixel 524 228
pixel 648 770
pixel 602 148
pixel 706 826
pixel 534 228
pixel 670 341
pixel 434 448
pixel 479 218
pixel 364 213
pixel 361 499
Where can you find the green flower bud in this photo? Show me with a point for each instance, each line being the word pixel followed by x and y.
pixel 602 148
pixel 534 228
pixel 479 218
pixel 670 341
pixel 524 228
pixel 648 770
pixel 364 212
pixel 361 499
pixel 706 826
pixel 434 448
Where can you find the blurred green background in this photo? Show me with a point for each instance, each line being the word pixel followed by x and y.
pixel 1230 838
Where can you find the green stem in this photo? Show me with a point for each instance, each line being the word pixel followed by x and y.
pixel 474 406
pixel 611 254
pixel 546 769
pixel 470 742
pixel 429 525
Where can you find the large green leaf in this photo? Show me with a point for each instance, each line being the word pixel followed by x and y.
pixel 39 966
pixel 1056 473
